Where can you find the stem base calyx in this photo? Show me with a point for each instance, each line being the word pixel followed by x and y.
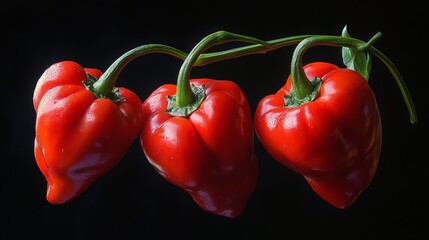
pixel 174 110
pixel 89 85
pixel 291 100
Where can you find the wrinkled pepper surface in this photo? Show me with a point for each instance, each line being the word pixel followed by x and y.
pixel 334 141
pixel 209 153
pixel 79 135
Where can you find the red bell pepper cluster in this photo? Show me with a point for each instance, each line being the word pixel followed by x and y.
pixel 199 134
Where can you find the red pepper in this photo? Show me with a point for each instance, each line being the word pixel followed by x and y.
pixel 199 136
pixel 210 152
pixel 80 135
pixel 334 140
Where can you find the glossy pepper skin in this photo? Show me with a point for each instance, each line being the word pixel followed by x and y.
pixel 210 152
pixel 334 141
pixel 79 137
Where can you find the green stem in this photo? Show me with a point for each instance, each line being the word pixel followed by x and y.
pixel 184 93
pixel 300 82
pixel 105 84
pixel 208 58
pixel 400 81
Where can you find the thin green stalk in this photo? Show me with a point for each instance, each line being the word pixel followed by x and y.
pixel 300 81
pixel 105 84
pixel 184 93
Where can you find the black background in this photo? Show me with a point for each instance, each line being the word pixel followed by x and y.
pixel 132 201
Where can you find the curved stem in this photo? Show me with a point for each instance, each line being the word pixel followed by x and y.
pixel 300 82
pixel 208 58
pixel 105 84
pixel 184 94
pixel 299 79
pixel 400 81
